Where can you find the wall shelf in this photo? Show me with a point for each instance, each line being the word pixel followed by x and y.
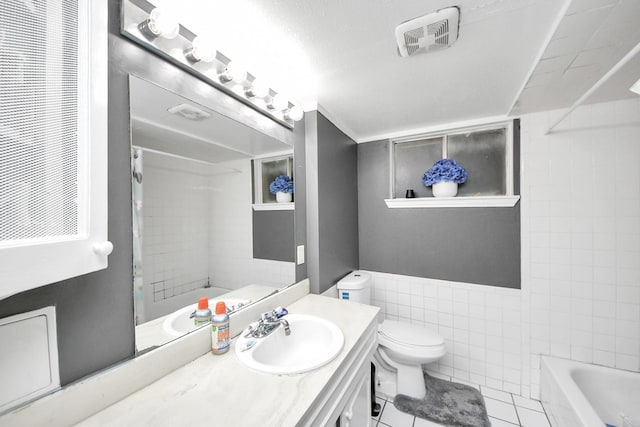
pixel 274 206
pixel 454 202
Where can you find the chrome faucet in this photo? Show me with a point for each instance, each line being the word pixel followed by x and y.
pixel 285 325
pixel 268 323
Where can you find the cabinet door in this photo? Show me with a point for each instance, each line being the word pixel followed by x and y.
pixel 357 411
pixel 53 141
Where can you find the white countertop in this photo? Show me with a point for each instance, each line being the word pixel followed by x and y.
pixel 219 390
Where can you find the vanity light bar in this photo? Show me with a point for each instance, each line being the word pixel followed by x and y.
pixel 158 31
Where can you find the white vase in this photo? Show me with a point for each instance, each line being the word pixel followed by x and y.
pixel 282 197
pixel 445 189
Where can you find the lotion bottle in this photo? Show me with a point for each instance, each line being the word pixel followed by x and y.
pixel 220 342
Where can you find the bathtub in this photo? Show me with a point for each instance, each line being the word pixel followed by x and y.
pixel 578 394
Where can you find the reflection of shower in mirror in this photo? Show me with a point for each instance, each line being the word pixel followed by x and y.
pixel 194 227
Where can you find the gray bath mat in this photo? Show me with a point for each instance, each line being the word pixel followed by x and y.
pixel 447 403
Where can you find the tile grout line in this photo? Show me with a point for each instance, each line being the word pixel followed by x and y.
pixel 544 411
pixel 516 409
pixel 507 422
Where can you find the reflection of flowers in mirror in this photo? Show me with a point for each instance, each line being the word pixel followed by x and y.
pixel 444 170
pixel 282 184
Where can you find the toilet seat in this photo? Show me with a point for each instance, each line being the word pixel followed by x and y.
pixel 409 343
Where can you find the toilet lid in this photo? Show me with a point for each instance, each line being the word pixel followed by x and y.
pixel 406 333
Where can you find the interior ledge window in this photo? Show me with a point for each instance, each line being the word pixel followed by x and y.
pixel 485 152
pixel 265 170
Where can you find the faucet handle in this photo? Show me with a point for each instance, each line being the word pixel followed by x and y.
pixel 280 312
pixel 274 315
pixel 250 331
pixel 269 316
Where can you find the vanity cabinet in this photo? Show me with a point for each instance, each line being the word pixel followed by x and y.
pixel 357 411
pixel 347 398
pixel 53 142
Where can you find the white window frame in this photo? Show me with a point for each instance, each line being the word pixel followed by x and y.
pixel 257 182
pixel 509 199
pixel 27 264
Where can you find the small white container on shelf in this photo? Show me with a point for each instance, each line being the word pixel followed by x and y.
pixel 445 189
pixel 282 197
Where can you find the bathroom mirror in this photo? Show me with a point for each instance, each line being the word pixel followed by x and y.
pixel 197 231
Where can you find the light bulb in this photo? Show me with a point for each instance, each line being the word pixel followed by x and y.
pixel 236 71
pixel 295 113
pixel 279 102
pixel 160 24
pixel 258 89
pixel 201 49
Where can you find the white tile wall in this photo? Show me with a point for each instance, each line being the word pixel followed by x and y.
pixel 231 262
pixel 272 273
pixel 580 233
pixel 175 226
pixel 231 250
pixel 481 325
pixel 197 229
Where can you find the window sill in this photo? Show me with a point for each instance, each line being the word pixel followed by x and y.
pixel 454 202
pixel 274 206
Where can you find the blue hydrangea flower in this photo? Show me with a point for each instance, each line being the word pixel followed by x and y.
pixel 444 170
pixel 282 183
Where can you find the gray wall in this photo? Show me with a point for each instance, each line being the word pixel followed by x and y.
pixel 474 245
pixel 333 224
pixel 300 197
pixel 95 312
pixel 273 235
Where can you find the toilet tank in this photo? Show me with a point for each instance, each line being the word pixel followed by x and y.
pixel 355 286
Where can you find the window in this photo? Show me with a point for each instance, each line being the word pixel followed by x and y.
pixel 265 170
pixel 53 146
pixel 485 152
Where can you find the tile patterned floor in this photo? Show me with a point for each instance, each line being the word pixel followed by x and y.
pixel 504 409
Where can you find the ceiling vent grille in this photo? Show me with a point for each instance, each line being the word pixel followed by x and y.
pixel 189 112
pixel 434 31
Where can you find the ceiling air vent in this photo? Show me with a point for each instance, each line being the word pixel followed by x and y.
pixel 434 31
pixel 189 112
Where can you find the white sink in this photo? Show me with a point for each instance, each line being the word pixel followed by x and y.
pixel 313 343
pixel 179 322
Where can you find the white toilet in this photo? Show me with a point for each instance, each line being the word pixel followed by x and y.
pixel 402 347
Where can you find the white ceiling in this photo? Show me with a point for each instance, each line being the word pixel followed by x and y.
pixel 215 139
pixel 592 37
pixel 512 56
